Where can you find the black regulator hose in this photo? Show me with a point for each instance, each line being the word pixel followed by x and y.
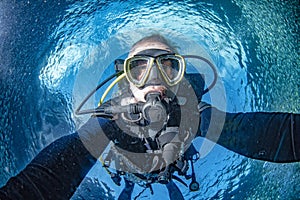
pixel 211 66
pixel 89 111
pixel 153 110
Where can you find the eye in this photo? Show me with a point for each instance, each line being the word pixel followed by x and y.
pixel 140 63
pixel 138 68
pixel 171 64
pixel 166 63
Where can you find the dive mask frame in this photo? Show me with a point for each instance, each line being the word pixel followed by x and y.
pixel 155 61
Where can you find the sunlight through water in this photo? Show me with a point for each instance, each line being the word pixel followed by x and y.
pixel 253 44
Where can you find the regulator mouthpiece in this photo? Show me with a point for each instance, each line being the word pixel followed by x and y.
pixel 154 110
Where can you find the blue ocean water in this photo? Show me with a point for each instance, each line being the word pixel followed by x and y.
pixel 54 52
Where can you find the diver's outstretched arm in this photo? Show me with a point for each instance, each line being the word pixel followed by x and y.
pixel 265 136
pixel 57 170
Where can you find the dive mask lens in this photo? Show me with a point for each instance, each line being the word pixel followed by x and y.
pixel 172 68
pixel 137 69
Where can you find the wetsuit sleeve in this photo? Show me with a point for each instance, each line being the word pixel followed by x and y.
pixel 265 136
pixel 57 170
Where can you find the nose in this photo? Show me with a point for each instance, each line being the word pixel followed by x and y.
pixel 155 77
pixel 154 72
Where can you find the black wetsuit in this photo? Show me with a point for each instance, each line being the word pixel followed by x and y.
pixel 265 136
pixel 57 171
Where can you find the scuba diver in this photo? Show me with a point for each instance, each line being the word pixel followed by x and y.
pixel 150 124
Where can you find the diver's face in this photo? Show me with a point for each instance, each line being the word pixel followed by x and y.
pixel 155 82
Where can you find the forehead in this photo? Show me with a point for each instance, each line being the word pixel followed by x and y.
pixel 148 45
pixel 152 52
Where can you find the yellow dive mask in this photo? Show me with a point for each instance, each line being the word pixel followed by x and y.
pixel 143 69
